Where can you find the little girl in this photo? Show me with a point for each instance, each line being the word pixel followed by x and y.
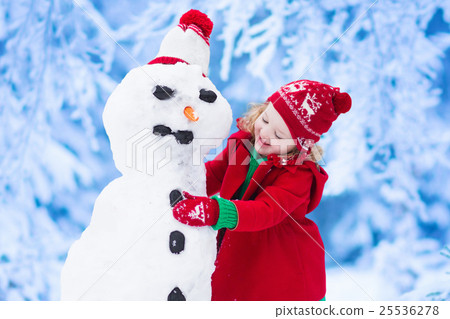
pixel 268 181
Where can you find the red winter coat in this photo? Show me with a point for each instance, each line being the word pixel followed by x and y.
pixel 269 255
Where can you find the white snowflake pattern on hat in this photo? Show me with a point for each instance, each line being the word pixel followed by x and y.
pixel 295 87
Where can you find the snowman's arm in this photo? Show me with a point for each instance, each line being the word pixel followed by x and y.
pixel 215 171
pixel 276 202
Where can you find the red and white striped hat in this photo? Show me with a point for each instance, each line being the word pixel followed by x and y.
pixel 188 42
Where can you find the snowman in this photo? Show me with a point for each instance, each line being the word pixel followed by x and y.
pixel 162 119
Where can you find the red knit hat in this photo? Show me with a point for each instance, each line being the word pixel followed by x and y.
pixel 309 108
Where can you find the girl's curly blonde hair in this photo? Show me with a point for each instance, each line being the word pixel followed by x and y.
pixel 247 123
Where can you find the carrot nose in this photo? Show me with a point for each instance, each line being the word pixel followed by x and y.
pixel 190 113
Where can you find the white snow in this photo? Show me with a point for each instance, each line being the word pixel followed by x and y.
pixel 353 283
pixel 418 273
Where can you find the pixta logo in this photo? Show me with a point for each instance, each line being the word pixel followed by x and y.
pixel 150 150
pixel 147 152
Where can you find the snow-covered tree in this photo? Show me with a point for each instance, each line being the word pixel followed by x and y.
pixel 54 64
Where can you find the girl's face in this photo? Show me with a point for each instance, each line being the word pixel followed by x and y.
pixel 272 135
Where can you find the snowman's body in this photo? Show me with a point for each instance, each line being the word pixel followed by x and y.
pixel 133 248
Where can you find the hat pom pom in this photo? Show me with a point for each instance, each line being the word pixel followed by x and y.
pixel 198 18
pixel 342 103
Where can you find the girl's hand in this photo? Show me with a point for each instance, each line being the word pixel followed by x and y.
pixel 196 211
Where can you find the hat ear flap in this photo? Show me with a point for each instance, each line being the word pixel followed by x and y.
pixel 342 102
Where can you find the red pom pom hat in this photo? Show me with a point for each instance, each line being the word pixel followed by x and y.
pixel 309 108
pixel 188 42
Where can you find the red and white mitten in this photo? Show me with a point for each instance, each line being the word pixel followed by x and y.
pixel 196 211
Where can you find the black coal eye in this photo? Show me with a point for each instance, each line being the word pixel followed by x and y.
pixel 207 96
pixel 163 92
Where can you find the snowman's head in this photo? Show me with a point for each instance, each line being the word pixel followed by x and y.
pixel 174 101
pixel 169 102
